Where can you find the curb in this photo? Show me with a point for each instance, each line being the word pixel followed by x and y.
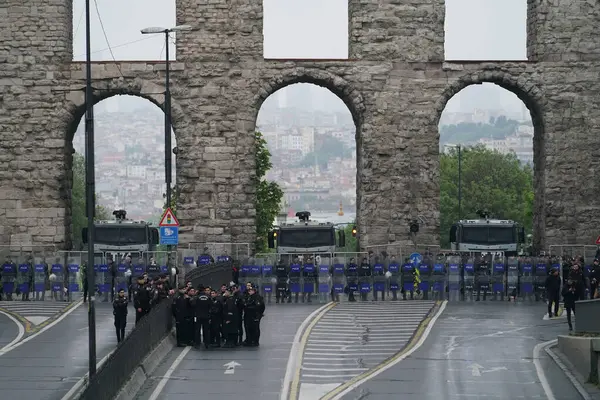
pixel 142 372
pixel 574 377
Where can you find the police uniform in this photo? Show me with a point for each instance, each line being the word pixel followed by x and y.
pixel 120 314
pixel 281 272
pixel 254 309
pixel 364 272
pixel 216 319
pixel 141 299
pixel 201 305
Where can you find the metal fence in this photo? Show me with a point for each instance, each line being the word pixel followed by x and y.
pixel 117 369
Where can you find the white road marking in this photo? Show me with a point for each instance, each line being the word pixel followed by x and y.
pixel 20 333
pixel 163 382
pixel 540 370
pixel 44 329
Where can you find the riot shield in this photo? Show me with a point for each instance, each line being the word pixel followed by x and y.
pixel 295 285
pixel 456 283
pixel 438 279
pixel 73 265
pixel 425 277
pixel 512 278
pixel 309 279
pixel 498 279
pixel 526 284
pixel 40 276
pixel 541 273
pixel 268 280
pixel 338 280
pixel 469 279
pixel 25 276
pixel 324 263
pixel 408 283
pixel 379 280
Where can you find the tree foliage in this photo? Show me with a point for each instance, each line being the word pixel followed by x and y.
pixel 326 148
pixel 174 199
pixel 79 219
pixel 268 194
pixel 351 242
pixel 496 182
pixel 497 128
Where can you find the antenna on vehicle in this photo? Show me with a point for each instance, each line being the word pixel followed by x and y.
pixel 303 216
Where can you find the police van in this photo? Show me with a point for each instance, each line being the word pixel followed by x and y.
pixel 487 235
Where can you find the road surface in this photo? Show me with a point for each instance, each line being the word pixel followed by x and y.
pixel 258 371
pixel 476 351
pixel 50 361
pixel 35 314
pixel 9 330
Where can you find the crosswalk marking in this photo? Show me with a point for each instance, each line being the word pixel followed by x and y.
pixel 352 338
pixel 35 312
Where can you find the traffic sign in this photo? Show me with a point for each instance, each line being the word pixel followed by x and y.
pixel 598 240
pixel 416 258
pixel 169 235
pixel 168 218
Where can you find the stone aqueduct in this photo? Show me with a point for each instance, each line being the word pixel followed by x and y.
pixel 395 83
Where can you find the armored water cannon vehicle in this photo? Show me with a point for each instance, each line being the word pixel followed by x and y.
pixel 487 235
pixel 122 235
pixel 306 236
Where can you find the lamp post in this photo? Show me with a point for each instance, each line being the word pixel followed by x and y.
pixel 90 190
pixel 168 167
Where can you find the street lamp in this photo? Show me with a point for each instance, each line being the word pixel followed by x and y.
pixel 459 148
pixel 166 32
pixel 90 189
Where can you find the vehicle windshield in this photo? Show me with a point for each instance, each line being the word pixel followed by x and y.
pixel 306 237
pixel 488 235
pixel 120 236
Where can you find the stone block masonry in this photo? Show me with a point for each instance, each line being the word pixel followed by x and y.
pixel 396 85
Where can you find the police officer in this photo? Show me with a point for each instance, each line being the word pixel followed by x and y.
pixel 9 273
pixel 308 273
pixel 254 308
pixel 153 269
pixel 553 291
pixel 594 278
pixel 28 278
pixel 282 273
pixel 351 278
pixel 239 302
pixel 482 276
pixel 120 313
pixel 202 304
pixel 181 313
pixel 364 273
pixel 216 319
pixel 141 299
pixel 230 319
pixel 84 281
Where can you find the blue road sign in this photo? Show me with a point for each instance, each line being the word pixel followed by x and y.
pixel 169 235
pixel 416 258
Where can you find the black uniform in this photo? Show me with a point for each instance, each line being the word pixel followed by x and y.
pixel 231 316
pixel 553 293
pixel 84 281
pixel 202 305
pixel 28 279
pixel 281 272
pixel 9 273
pixel 240 303
pixel 120 313
pixel 351 278
pixel 253 312
pixel 571 295
pixel 181 312
pixel 141 301
pixel 216 320
pixel 594 278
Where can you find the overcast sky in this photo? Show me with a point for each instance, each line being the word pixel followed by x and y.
pixel 475 30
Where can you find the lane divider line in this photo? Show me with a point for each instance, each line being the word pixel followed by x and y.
pixel 20 333
pixel 421 334
pixel 291 381
pixel 44 329
pixel 165 379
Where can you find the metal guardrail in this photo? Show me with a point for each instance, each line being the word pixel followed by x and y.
pixel 586 317
pixel 117 369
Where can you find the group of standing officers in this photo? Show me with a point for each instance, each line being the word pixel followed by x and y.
pixel 218 318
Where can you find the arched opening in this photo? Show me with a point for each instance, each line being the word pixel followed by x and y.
pixel 305 29
pixel 115 28
pixel 130 162
pixel 486 30
pixel 312 137
pixel 491 160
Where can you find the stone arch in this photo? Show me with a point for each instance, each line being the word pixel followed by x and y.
pixel 527 90
pixel 337 85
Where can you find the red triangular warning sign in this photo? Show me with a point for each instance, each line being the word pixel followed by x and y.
pixel 168 219
pixel 598 240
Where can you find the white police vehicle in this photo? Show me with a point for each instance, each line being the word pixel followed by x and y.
pixel 122 235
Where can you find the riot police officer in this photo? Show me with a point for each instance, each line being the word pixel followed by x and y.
pixel 351 279
pixel 364 273
pixel 308 273
pixel 181 312
pixel 294 274
pixel 84 281
pixel 482 276
pixel 9 273
pixel 153 269
pixel 230 319
pixel 594 278
pixel 141 299
pixel 254 309
pixel 202 304
pixel 28 278
pixel 281 273
pixel 120 314
pixel 216 319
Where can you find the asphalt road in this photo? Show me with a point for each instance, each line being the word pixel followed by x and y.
pixel 476 351
pixel 8 330
pixel 258 375
pixel 50 363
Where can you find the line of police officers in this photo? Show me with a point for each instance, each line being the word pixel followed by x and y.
pixel 218 317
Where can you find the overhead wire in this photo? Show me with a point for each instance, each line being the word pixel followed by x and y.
pixel 79 23
pixel 119 45
pixel 106 38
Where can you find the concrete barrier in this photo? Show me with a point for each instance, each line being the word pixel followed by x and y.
pixel 587 320
pixel 583 354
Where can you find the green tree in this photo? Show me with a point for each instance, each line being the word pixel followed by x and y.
pixel 268 194
pixel 492 181
pixel 497 128
pixel 351 242
pixel 326 148
pixel 79 219
pixel 174 199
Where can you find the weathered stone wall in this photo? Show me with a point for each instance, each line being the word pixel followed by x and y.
pixel 563 30
pixel 396 85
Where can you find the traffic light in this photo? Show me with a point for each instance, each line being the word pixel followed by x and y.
pixel 354 231
pixel 414 227
pixel 271 239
